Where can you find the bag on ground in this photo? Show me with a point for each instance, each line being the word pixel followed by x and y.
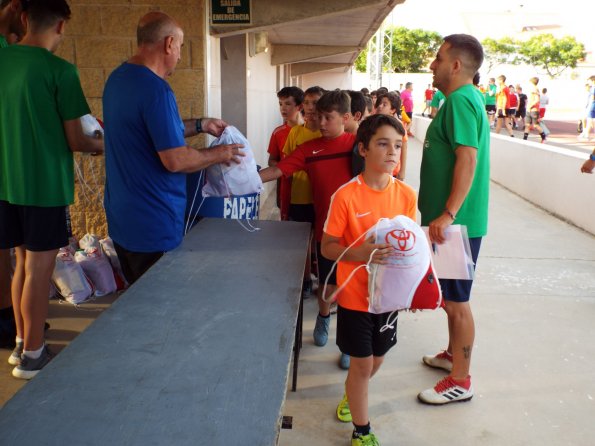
pixel 69 278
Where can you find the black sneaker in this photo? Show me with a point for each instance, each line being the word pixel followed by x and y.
pixel 30 367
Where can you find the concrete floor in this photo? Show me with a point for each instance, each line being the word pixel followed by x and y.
pixel 533 363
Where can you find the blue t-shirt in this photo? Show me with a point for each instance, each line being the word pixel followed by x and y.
pixel 144 202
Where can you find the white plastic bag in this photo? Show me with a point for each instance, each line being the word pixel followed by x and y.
pixel 408 279
pixel 235 179
pixel 91 125
pixel 69 278
pixel 89 241
pixel 110 252
pixel 98 269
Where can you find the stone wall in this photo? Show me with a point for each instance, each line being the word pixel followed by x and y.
pixel 99 37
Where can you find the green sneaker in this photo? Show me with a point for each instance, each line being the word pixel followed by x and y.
pixel 365 440
pixel 343 412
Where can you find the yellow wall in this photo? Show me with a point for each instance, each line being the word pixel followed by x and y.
pixel 100 36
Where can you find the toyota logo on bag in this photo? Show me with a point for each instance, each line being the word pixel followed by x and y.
pixel 401 239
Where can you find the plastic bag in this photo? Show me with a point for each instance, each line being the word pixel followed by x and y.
pixel 89 241
pixel 235 179
pixel 408 280
pixel 98 269
pixel 69 278
pixel 110 252
pixel 91 125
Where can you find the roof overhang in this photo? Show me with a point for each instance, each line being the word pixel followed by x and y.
pixel 313 35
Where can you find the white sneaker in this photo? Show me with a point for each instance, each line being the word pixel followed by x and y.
pixel 442 360
pixel 447 391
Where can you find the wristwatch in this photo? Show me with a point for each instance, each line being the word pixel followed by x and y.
pixel 198 125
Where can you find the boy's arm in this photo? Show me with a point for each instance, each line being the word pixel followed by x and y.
pixel 332 249
pixel 270 173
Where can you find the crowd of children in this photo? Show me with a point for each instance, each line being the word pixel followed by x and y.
pixel 351 146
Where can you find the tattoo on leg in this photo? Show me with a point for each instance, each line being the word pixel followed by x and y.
pixel 467 351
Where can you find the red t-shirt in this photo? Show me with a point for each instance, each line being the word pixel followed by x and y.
pixel 276 144
pixel 328 165
pixel 429 94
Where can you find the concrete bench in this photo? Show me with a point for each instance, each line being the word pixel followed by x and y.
pixel 198 351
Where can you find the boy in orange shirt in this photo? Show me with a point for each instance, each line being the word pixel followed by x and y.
pixel 354 209
pixel 327 161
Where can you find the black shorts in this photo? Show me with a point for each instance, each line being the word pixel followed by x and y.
pixel 324 267
pixel 359 332
pixel 135 264
pixel 510 112
pixel 302 212
pixel 520 113
pixel 34 227
pixel 500 113
pixel 491 109
pixel 410 114
pixel 460 290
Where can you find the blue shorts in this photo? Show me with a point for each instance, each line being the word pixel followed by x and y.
pixel 455 290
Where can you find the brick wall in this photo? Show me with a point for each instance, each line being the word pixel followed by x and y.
pixel 100 36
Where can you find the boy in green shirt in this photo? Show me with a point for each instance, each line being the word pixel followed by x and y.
pixel 41 102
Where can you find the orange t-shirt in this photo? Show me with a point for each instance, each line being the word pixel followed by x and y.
pixel 354 209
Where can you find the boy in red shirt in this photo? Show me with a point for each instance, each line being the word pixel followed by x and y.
pixel 290 106
pixel 354 209
pixel 327 161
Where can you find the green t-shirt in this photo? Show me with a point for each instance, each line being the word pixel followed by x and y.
pixel 438 99
pixel 461 121
pixel 3 42
pixel 490 95
pixel 37 94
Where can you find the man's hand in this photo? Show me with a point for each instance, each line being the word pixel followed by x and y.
pixel 437 227
pixel 229 153
pixel 213 126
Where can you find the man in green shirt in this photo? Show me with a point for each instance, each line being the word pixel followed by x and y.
pixel 454 188
pixel 10 24
pixel 41 102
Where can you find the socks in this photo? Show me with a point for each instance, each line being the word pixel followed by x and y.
pixel 34 354
pixel 17 339
pixel 525 136
pixel 360 431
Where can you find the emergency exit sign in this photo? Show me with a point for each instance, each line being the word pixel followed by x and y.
pixel 230 12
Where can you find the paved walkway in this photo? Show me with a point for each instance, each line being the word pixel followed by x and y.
pixel 534 358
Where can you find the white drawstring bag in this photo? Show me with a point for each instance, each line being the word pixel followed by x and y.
pixel 408 280
pixel 98 269
pixel 235 179
pixel 69 278
pixel 107 245
pixel 90 125
pixel 89 241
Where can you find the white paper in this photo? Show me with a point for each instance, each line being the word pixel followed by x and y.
pixel 452 259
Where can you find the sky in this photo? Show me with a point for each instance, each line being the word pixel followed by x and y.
pixel 495 19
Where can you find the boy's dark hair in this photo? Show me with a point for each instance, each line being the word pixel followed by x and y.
pixel 46 13
pixel 315 90
pixel 358 102
pixel 365 91
pixel 292 92
pixel 369 103
pixel 369 126
pixel 469 46
pixel 476 79
pixel 393 98
pixel 382 90
pixel 336 100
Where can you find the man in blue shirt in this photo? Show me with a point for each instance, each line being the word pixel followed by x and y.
pixel 146 155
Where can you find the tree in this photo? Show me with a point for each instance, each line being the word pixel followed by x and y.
pixel 497 52
pixel 552 55
pixel 412 50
